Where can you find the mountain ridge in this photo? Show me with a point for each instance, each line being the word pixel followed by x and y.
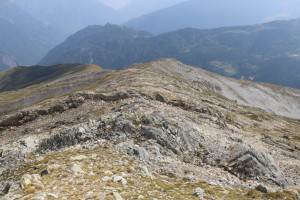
pixel 24 39
pixel 271 98
pixel 256 52
pixel 212 14
pixel 160 129
pixel 69 16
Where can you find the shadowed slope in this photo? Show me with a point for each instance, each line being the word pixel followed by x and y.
pixel 21 77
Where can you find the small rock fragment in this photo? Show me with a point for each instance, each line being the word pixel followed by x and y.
pixel 6 189
pixel 124 182
pixel 77 169
pixel 106 178
pixel 79 158
pixel 146 172
pixel 44 172
pixel 198 192
pixel 36 177
pixel 52 195
pixel 123 174
pixel 53 167
pixel 108 172
pixel 160 98
pixel 212 183
pixel 261 188
pixel 40 158
pixel 94 156
pixel 25 180
pixel 118 178
pixel 117 196
pixel 39 198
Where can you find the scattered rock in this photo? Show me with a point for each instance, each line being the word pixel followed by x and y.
pixel 261 188
pixel 38 197
pixel 26 180
pixel 117 196
pixel 45 172
pixel 286 137
pixel 77 169
pixel 79 158
pixel 124 174
pixel 160 98
pixel 53 167
pixel 124 181
pixel 212 183
pixel 108 172
pixel 106 178
pixel 52 195
pixel 6 189
pixel 23 143
pixel 138 151
pixel 199 192
pixel 39 159
pixel 36 177
pixel 120 179
pixel 1 171
pixel 146 172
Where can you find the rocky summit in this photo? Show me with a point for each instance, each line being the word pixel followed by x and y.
pixel 158 130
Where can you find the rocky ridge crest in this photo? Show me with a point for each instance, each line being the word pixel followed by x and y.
pixel 176 133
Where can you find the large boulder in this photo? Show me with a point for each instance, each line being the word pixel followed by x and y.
pixel 248 163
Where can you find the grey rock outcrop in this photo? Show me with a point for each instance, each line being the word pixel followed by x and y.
pixel 199 192
pixel 261 188
pixel 6 189
pixel 139 152
pixel 69 137
pixel 246 162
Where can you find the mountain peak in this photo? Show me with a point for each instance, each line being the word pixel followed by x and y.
pixel 111 25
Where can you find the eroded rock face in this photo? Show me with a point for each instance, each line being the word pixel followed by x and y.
pixel 70 137
pixel 123 127
pixel 247 162
pixel 73 101
pixel 240 159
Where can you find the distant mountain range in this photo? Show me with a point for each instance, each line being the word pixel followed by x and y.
pixel 113 46
pixel 30 28
pixel 268 53
pixel 206 14
pixel 23 39
pixel 69 16
pixel 137 8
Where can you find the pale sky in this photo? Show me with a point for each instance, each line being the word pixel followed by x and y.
pixel 116 4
